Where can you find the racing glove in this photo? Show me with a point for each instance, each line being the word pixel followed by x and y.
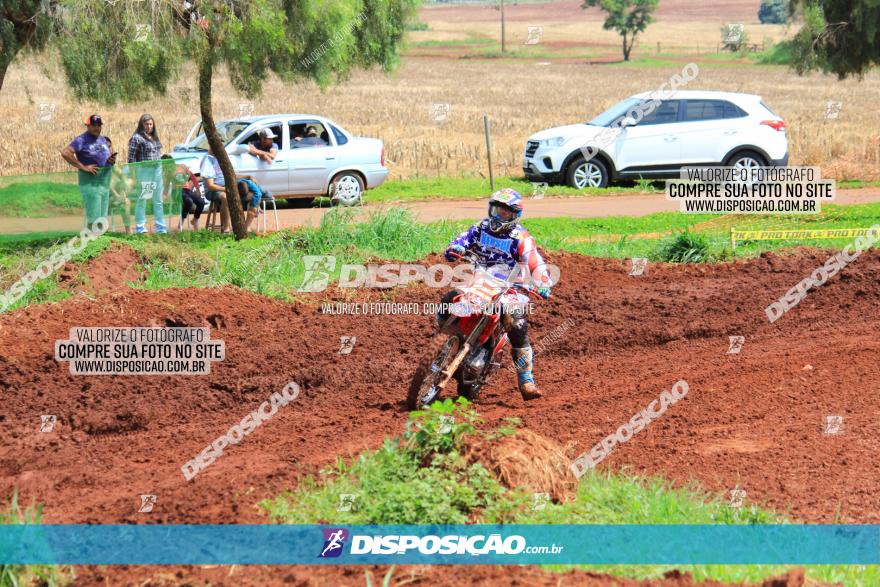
pixel 544 292
pixel 454 252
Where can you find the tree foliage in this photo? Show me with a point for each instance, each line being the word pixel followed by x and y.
pixel 25 25
pixel 838 36
pixel 774 11
pixel 113 50
pixel 627 17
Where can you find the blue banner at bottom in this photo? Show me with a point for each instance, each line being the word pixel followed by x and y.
pixel 460 544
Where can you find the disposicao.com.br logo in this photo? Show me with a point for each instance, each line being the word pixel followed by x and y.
pixel 476 545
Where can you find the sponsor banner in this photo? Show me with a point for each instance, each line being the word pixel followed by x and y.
pixel 159 544
pixel 767 235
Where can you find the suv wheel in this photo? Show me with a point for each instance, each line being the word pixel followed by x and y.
pixel 583 174
pixel 346 189
pixel 747 160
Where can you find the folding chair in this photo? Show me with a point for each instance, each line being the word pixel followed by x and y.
pixel 262 221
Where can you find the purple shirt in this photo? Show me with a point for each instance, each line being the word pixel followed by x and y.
pixel 91 150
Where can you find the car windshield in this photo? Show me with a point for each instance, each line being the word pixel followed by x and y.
pixel 613 113
pixel 228 130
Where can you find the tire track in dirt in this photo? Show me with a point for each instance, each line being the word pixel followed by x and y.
pixel 752 420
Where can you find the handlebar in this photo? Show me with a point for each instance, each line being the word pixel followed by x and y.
pixel 473 258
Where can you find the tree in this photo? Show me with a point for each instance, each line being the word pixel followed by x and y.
pixel 24 26
pixel 773 11
pixel 117 50
pixel 627 17
pixel 839 36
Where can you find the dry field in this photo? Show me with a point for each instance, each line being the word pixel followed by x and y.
pixel 520 95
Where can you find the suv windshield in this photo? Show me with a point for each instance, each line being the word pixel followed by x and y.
pixel 613 113
pixel 228 131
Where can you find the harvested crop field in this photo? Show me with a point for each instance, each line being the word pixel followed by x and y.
pixel 753 420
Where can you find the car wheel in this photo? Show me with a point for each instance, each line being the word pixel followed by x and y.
pixel 346 189
pixel 747 160
pixel 584 174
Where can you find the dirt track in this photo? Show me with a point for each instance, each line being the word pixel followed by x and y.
pixel 752 420
pixel 431 210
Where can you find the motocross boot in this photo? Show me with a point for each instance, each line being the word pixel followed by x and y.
pixel 522 361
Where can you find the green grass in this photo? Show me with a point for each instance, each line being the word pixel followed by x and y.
pixel 423 477
pixel 475 188
pixel 40 199
pixel 22 575
pixel 779 54
pixel 273 265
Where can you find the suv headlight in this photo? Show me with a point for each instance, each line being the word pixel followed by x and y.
pixel 552 142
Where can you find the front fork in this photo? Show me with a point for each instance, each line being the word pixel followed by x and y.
pixel 463 351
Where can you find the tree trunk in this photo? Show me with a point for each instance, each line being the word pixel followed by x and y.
pixel 206 66
pixel 4 65
pixel 626 48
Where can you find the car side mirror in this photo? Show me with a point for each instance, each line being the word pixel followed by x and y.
pixel 239 150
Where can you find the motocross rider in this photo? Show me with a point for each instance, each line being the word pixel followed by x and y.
pixel 499 239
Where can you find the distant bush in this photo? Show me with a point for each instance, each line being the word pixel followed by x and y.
pixel 781 53
pixel 416 26
pixel 773 12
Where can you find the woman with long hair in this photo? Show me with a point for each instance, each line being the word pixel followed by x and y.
pixel 145 149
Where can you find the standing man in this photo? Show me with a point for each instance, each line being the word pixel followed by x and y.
pixel 91 154
pixel 264 147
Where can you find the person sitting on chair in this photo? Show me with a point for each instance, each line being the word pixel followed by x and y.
pixel 250 193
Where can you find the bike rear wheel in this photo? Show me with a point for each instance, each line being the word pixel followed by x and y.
pixel 424 387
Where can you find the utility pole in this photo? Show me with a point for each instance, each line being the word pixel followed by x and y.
pixel 502 27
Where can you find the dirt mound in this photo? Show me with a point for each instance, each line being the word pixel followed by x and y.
pixel 433 576
pixel 113 269
pixel 755 420
pixel 529 461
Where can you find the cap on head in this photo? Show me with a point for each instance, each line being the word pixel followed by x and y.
pixel 93 120
pixel 267 133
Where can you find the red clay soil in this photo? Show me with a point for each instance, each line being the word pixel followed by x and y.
pixel 114 268
pixel 752 420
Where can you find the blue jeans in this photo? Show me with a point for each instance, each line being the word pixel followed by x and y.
pixel 149 187
pixel 95 192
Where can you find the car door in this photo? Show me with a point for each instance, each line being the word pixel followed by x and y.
pixel 272 176
pixel 653 142
pixel 311 161
pixel 709 130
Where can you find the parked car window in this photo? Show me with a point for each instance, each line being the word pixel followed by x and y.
pixel 341 139
pixel 697 110
pixel 612 114
pixel 276 130
pixel 733 111
pixel 665 113
pixel 228 131
pixel 308 134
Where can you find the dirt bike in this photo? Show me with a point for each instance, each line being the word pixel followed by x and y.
pixel 470 342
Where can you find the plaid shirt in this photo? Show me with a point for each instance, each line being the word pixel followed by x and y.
pixel 140 148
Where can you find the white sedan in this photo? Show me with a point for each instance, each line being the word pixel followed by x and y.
pixel 334 163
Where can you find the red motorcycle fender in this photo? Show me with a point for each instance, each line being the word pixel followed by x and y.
pixel 501 342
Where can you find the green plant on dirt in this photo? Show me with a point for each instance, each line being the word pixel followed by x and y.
pixel 19 258
pixel 685 247
pixel 26 575
pixel 422 477
pixel 386 580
